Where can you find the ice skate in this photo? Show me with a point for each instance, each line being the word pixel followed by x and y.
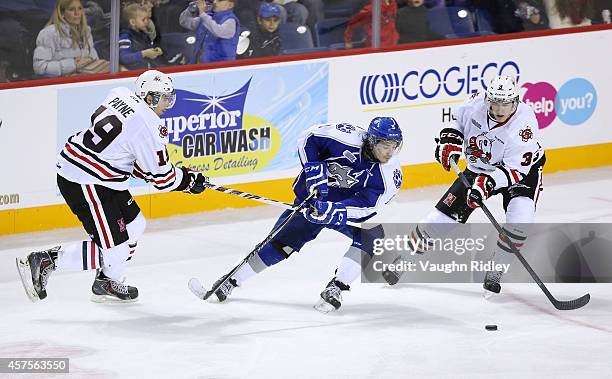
pixel 392 277
pixel 35 271
pixel 491 283
pixel 106 290
pixel 331 297
pixel 226 289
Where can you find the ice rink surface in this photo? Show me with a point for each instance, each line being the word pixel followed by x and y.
pixel 268 328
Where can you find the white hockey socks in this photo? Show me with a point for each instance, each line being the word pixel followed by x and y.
pixel 78 257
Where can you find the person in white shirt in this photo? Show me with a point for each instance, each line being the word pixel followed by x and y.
pixel 497 133
pixel 126 138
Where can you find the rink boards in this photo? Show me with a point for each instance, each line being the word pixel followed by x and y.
pixel 240 124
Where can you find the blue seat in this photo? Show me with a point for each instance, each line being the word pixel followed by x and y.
pixel 45 5
pixel 483 20
pixel 468 35
pixel 342 8
pixel 294 36
pixel 451 20
pixel 330 31
pixel 175 43
pixel 435 3
pixel 305 50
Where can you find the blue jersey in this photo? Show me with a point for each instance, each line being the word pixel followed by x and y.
pixel 362 186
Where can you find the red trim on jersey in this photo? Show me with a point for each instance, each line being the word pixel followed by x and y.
pixel 91 163
pixel 98 215
pixel 310 56
pixel 515 176
pixel 93 255
pixel 149 177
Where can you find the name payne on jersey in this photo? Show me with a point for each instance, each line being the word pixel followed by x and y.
pixel 121 107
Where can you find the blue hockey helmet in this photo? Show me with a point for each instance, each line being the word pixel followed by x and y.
pixel 384 129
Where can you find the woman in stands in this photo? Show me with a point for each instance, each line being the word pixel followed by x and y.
pixel 65 46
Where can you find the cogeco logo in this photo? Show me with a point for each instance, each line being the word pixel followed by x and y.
pixel 427 84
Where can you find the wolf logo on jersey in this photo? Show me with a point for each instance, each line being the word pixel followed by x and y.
pixel 479 148
pixel 340 176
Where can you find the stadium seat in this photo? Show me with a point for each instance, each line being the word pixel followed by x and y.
pixel 435 3
pixel 45 5
pixel 175 43
pixel 330 31
pixel 483 20
pixel 451 20
pixel 468 35
pixel 295 36
pixel 305 50
pixel 342 8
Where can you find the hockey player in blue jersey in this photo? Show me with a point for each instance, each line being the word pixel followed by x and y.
pixel 354 173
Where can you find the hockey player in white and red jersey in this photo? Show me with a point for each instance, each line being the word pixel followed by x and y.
pixel 126 138
pixel 497 133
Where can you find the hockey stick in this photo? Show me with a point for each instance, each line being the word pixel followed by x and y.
pixel 261 199
pixel 198 289
pixel 561 305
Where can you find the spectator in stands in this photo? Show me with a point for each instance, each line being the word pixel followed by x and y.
pixel 533 15
pixel 65 45
pixel 568 13
pixel 148 5
pixel 602 10
pixel 264 40
pixel 363 19
pixel 412 23
pixel 136 49
pixel 217 28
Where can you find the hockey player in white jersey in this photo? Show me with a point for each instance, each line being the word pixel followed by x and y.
pixel 126 138
pixel 355 173
pixel 497 133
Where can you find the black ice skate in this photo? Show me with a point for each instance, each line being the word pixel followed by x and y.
pixel 35 271
pixel 331 297
pixel 390 276
pixel 226 289
pixel 491 283
pixel 106 289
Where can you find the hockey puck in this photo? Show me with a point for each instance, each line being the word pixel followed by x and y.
pixel 491 327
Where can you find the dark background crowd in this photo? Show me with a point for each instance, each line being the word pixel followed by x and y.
pixel 51 38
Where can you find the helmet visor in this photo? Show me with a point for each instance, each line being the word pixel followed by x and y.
pixel 170 98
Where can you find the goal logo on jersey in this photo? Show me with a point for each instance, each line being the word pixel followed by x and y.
pixel 397 178
pixel 163 131
pixel 526 134
pixel 479 148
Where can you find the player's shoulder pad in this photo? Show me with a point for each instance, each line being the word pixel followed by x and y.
pixel 345 133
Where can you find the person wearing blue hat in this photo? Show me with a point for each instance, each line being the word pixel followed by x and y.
pixel 264 39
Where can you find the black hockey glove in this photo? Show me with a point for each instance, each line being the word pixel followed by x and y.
pixel 480 191
pixel 450 145
pixel 193 182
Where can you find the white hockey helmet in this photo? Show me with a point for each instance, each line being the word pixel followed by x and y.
pixel 503 89
pixel 156 84
pixel 502 98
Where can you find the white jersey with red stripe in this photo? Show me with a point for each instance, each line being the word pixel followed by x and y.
pixel 125 138
pixel 505 151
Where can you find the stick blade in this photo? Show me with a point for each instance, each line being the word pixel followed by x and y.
pixel 198 289
pixel 572 304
